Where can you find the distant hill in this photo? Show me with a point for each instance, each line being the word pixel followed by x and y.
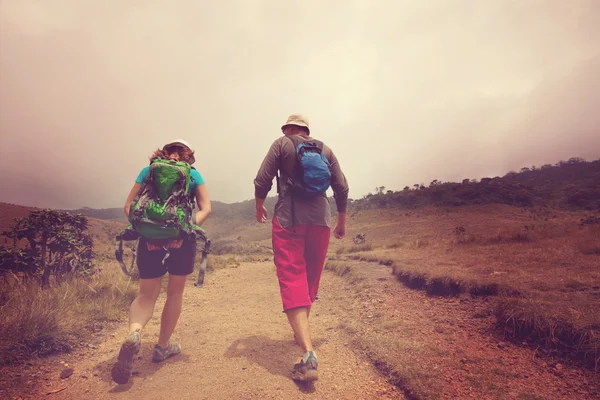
pixel 572 184
pixel 103 232
pixel 101 213
pixel 8 212
pixel 243 210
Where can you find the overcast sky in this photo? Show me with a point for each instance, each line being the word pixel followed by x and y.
pixel 403 91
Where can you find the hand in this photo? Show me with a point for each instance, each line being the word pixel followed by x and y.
pixel 261 214
pixel 339 231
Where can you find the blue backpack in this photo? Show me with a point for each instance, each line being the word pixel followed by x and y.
pixel 311 175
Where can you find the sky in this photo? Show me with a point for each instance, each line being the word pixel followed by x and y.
pixel 403 91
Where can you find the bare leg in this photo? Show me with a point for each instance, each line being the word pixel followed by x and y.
pixel 142 307
pixel 307 316
pixel 172 308
pixel 140 312
pixel 298 318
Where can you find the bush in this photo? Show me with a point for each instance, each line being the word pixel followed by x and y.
pixel 58 243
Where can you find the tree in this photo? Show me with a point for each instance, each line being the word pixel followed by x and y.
pixel 575 160
pixel 379 190
pixel 17 261
pixel 58 245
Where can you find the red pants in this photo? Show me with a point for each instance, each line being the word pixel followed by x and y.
pixel 299 258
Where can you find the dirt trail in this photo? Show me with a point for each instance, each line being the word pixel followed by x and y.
pixel 236 345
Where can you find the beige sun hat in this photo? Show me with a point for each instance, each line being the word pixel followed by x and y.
pixel 298 120
pixel 181 142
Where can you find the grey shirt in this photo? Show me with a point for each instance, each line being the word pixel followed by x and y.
pixel 282 157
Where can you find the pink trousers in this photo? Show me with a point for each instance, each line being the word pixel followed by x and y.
pixel 299 258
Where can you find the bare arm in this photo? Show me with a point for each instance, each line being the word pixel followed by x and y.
pixel 203 202
pixel 132 193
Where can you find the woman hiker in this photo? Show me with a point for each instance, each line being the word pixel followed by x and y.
pixel 153 263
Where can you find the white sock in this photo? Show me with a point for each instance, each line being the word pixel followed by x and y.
pixel 307 354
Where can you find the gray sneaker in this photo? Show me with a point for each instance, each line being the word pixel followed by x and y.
pixel 306 370
pixel 159 354
pixel 121 371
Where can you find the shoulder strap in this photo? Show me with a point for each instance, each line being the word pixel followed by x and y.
pixel 296 140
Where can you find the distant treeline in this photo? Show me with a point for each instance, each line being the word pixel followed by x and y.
pixel 572 184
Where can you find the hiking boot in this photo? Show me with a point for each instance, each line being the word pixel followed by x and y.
pixel 306 369
pixel 121 371
pixel 159 354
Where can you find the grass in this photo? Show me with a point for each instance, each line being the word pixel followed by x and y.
pixel 398 360
pixel 355 248
pixel 533 320
pixel 215 262
pixel 541 268
pixel 39 322
pixel 343 269
pixel 530 396
pixel 388 262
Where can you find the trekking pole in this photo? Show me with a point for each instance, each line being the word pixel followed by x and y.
pixel 203 261
pixel 127 234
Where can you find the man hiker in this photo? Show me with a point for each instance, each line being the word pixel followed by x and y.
pixel 301 224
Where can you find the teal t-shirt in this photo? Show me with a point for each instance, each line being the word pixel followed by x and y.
pixel 195 178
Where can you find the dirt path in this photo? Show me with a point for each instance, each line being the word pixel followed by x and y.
pixel 236 345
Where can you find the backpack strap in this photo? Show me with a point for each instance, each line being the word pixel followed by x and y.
pixel 127 234
pixel 296 141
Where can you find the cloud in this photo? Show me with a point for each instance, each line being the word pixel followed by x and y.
pixel 404 92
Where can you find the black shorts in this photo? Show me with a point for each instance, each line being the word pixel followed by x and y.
pixel 179 262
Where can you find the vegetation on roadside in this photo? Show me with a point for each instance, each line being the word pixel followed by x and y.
pixel 36 322
pixel 541 268
pixel 52 288
pixel 57 245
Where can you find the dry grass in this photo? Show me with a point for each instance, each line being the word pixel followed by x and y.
pixel 41 322
pixel 534 321
pixel 369 258
pixel 341 268
pixel 355 248
pixel 543 267
pixel 398 359
pixel 215 262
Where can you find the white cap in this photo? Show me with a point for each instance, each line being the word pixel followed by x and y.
pixel 184 143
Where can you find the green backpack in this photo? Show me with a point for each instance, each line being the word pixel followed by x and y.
pixel 162 210
pixel 163 207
